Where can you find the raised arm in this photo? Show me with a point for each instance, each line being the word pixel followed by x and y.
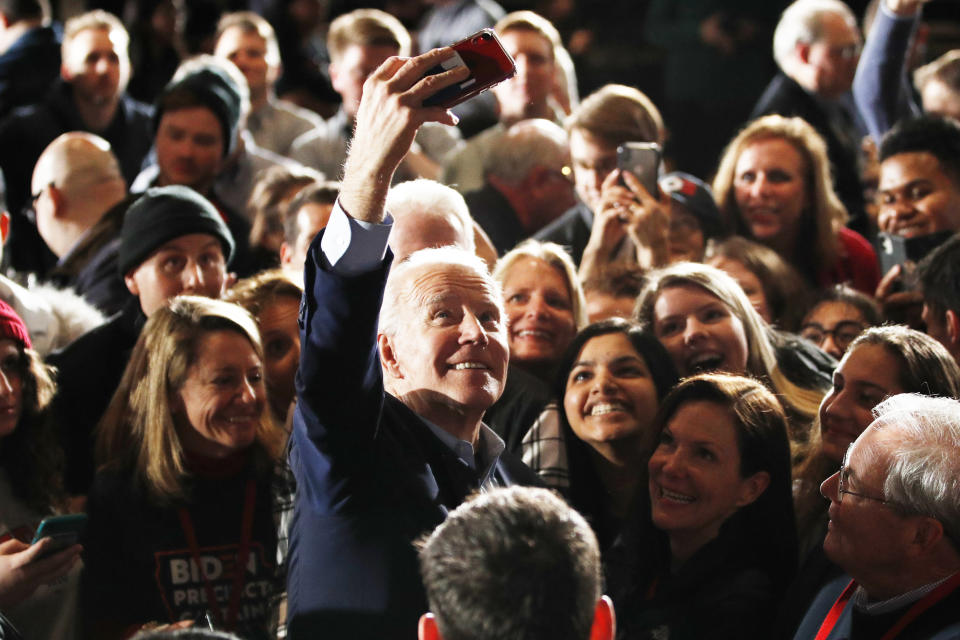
pixel 879 86
pixel 339 385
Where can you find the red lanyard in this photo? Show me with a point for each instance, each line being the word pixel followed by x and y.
pixel 238 579
pixel 927 601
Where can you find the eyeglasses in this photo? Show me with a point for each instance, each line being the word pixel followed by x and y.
pixel 843 333
pixel 844 479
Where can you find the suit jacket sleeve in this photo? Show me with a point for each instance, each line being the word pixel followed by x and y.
pixel 880 88
pixel 339 383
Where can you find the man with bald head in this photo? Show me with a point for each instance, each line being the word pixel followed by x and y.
pixel 80 199
pixel 528 183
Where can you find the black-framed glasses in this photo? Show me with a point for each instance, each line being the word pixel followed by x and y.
pixel 843 479
pixel 843 333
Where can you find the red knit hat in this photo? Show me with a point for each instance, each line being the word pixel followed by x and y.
pixel 11 326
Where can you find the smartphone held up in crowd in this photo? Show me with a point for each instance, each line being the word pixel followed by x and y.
pixel 488 62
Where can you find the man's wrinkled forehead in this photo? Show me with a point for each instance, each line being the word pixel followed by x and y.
pixel 433 282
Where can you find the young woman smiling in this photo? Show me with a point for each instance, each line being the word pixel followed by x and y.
pixel 610 383
pixel 704 319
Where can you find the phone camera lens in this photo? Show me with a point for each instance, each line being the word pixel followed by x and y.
pixel 485 36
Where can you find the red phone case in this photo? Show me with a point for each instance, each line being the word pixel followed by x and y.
pixel 489 64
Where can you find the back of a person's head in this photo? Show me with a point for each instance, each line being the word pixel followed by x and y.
pixel 17 10
pixel 944 70
pixel 367 28
pixel 512 564
pixel 940 277
pixel 526 145
pixel 616 113
pixel 940 137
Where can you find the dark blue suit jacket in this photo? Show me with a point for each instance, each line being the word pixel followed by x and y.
pixel 371 476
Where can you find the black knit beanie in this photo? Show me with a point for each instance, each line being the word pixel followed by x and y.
pixel 162 214
pixel 213 88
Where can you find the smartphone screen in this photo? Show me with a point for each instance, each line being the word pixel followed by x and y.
pixel 488 62
pixel 642 159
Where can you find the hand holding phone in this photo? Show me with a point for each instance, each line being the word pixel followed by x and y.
pixel 488 62
pixel 25 567
pixel 642 159
pixel 63 531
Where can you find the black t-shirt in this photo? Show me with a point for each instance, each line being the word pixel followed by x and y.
pixel 139 566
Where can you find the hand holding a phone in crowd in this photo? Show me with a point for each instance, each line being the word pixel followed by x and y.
pixel 899 305
pixel 626 210
pixel 23 567
pixel 391 111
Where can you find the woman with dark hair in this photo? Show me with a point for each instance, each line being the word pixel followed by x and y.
pixel 182 510
pixel 837 316
pixel 32 594
pixel 610 382
pixel 717 548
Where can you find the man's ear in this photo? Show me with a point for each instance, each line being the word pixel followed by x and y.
pixel 56 199
pixel 752 488
pixel 427 629
pixel 927 532
pixel 604 621
pixel 802 49
pixel 286 253
pixel 953 328
pixel 388 356
pixel 334 70
pixel 131 284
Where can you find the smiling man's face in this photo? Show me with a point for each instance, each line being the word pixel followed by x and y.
pixel 449 352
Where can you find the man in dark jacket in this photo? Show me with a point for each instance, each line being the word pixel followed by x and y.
pixel 90 96
pixel 817 45
pixel 387 434
pixel 29 53
pixel 81 198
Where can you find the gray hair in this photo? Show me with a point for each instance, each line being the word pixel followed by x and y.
pixel 399 293
pixel 434 200
pixel 525 145
pixel 924 473
pixel 802 22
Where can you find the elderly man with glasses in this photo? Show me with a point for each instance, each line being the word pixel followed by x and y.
pixel 894 528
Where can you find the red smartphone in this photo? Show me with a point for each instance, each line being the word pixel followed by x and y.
pixel 488 62
pixel 642 159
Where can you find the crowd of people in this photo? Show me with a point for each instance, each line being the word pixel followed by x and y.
pixel 400 370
